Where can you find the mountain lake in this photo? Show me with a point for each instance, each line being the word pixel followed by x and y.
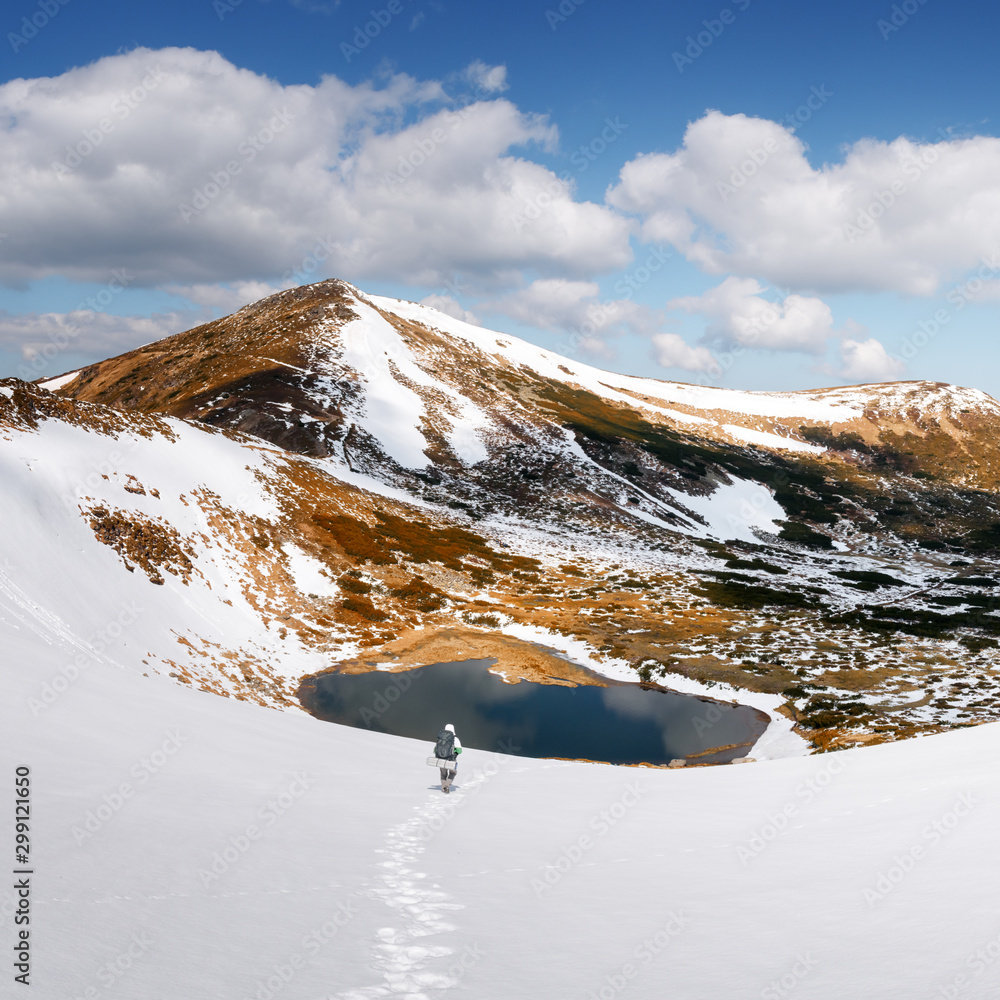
pixel 621 723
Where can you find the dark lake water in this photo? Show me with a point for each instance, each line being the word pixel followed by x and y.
pixel 621 724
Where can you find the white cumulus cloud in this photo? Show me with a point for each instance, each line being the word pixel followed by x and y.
pixel 489 79
pixel 670 350
pixel 740 197
pixel 739 314
pixel 575 307
pixel 190 170
pixel 225 298
pixel 868 361
pixel 43 338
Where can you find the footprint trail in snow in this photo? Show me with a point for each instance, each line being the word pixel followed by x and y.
pixel 411 964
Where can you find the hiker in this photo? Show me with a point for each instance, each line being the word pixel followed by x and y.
pixel 448 748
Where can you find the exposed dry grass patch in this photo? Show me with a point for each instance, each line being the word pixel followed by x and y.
pixel 515 657
pixel 140 541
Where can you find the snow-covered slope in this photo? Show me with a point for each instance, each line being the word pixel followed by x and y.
pixel 186 845
pixel 825 406
pixel 156 545
pixel 413 379
pixel 326 478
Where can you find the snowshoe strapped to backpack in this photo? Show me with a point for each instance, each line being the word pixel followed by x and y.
pixel 445 746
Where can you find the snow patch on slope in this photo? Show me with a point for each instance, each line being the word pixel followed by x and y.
pixel 57 383
pixel 395 412
pixel 734 510
pixel 767 440
pixel 821 406
pixel 75 591
pixel 309 573
pixel 934 397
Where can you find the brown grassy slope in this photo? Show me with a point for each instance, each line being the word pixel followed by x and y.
pixel 236 371
pixel 244 372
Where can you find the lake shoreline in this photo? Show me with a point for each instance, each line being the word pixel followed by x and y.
pixel 592 717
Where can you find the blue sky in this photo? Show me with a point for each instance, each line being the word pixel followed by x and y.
pixel 762 195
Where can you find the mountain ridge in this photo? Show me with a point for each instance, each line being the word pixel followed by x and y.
pixel 817 556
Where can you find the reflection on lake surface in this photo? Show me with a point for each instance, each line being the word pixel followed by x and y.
pixel 622 723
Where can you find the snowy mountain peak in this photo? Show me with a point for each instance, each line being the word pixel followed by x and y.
pixel 326 370
pixel 329 478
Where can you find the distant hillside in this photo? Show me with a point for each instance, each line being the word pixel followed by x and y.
pixel 416 488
